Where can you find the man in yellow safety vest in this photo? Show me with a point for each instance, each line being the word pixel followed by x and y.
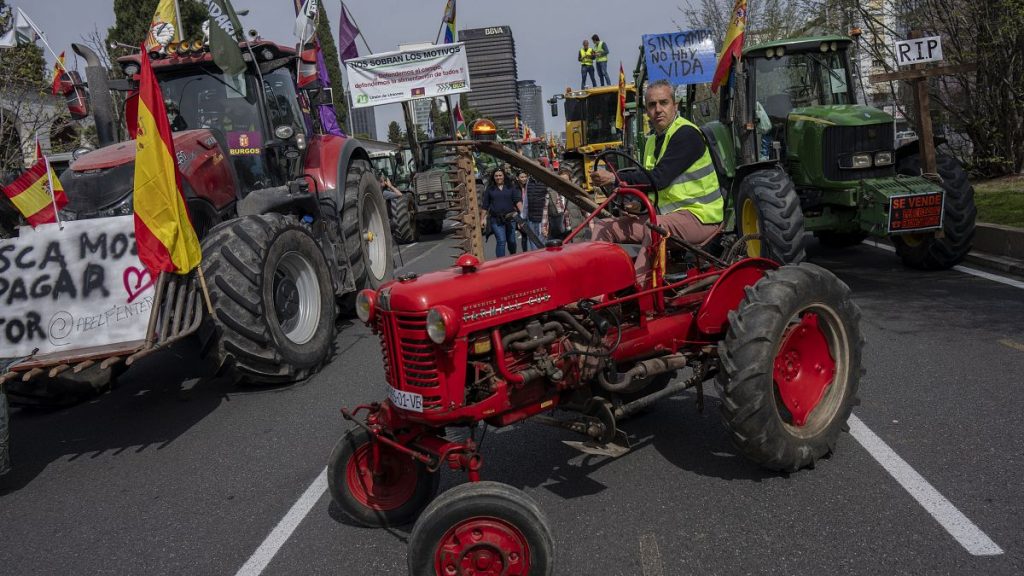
pixel 586 58
pixel 601 58
pixel 689 200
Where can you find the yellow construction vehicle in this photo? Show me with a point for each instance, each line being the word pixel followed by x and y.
pixel 590 126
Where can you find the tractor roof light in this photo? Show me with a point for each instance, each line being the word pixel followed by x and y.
pixel 442 326
pixel 131 69
pixel 484 129
pixel 366 302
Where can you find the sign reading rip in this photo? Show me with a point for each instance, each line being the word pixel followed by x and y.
pixel 72 289
pixel 918 50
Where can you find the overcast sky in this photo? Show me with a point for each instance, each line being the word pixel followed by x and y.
pixel 548 33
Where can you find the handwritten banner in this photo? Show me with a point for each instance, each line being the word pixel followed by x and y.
pixel 64 290
pixel 408 75
pixel 686 57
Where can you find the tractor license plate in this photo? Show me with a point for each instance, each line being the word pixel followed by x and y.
pixel 915 212
pixel 405 400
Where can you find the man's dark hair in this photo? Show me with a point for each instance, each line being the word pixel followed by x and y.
pixel 595 38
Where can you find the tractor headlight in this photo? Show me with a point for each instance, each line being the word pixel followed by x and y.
pixel 438 196
pixel 855 161
pixel 365 302
pixel 883 158
pixel 441 324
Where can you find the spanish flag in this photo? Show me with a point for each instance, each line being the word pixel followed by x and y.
pixel 733 45
pixel 620 107
pixel 163 231
pixel 30 192
pixel 58 69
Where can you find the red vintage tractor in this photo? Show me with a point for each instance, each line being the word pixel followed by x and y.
pixel 569 328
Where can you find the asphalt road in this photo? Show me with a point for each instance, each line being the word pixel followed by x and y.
pixel 177 473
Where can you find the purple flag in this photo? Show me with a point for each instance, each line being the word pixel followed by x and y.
pixel 328 119
pixel 347 34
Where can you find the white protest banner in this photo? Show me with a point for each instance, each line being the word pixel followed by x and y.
pixel 408 75
pixel 63 290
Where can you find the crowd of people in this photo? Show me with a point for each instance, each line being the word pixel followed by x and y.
pixel 510 199
pixel 589 56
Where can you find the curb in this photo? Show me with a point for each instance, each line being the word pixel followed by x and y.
pixel 999 247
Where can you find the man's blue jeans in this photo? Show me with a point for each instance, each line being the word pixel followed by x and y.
pixel 584 70
pixel 602 73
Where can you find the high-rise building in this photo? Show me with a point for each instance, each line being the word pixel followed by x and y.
pixel 362 121
pixel 421 114
pixel 531 104
pixel 491 53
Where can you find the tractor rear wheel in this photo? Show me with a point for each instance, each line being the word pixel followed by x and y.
pixel 767 204
pixel 273 302
pixel 481 528
pixel 403 225
pixel 391 496
pixel 364 227
pixel 925 251
pixel 791 364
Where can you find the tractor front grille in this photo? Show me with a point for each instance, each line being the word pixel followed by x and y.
pixel 846 140
pixel 410 358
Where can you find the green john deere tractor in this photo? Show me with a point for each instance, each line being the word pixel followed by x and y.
pixel 795 153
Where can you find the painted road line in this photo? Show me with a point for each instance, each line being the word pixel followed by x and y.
pixel 429 250
pixel 650 557
pixel 1011 344
pixel 964 269
pixel 959 526
pixel 280 534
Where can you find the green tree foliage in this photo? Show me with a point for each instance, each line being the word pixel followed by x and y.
pixel 395 135
pixel 330 50
pixel 22 66
pixel 132 19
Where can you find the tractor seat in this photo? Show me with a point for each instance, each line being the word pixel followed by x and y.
pixel 713 150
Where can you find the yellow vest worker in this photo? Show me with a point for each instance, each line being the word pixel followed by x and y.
pixel 586 58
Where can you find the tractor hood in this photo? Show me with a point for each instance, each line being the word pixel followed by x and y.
pixel 517 286
pixel 843 115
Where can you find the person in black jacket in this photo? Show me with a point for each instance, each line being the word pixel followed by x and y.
pixel 501 203
pixel 534 197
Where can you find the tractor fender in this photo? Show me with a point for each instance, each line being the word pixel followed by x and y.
pixel 727 293
pixel 914 147
pixel 328 157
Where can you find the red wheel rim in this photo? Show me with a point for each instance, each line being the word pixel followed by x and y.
pixel 389 488
pixel 483 546
pixel 804 368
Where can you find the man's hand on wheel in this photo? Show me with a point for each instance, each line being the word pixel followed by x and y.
pixel 602 178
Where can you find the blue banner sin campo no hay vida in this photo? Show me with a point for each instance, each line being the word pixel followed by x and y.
pixel 684 57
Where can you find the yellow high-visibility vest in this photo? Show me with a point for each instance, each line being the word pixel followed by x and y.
pixel 587 56
pixel 696 189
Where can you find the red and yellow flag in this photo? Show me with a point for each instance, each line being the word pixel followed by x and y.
pixel 167 241
pixel 733 45
pixel 58 69
pixel 164 27
pixel 620 108
pixel 30 192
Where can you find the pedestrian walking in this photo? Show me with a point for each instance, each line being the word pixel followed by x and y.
pixel 500 205
pixel 601 59
pixel 534 195
pixel 586 58
pixel 555 224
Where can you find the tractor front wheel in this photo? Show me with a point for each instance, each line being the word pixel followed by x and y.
pixel 388 492
pixel 926 251
pixel 482 528
pixel 767 204
pixel 364 227
pixel 791 364
pixel 273 302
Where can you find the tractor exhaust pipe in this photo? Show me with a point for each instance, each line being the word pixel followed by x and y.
pixel 643 369
pixel 99 93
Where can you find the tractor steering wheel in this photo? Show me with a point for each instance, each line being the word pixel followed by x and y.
pixel 620 203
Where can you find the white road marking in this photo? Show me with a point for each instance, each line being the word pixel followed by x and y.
pixel 650 557
pixel 429 250
pixel 280 534
pixel 959 526
pixel 964 269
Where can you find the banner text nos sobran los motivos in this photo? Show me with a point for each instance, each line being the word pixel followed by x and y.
pixel 408 75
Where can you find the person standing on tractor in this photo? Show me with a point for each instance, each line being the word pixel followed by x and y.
pixel 586 58
pixel 601 58
pixel 688 199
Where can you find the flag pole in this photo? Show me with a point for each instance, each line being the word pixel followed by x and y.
pixel 177 29
pixel 43 38
pixel 49 178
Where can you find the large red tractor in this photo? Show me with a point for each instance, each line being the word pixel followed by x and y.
pixel 291 220
pixel 569 328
